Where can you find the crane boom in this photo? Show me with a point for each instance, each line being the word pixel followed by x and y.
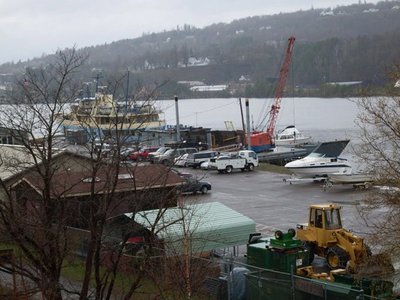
pixel 283 75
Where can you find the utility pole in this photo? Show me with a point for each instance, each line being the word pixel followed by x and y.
pixel 241 114
pixel 178 132
pixel 248 131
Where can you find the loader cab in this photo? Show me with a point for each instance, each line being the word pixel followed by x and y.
pixel 325 217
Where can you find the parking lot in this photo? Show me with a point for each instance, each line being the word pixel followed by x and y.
pixel 274 204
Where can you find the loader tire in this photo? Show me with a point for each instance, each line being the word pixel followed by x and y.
pixel 336 258
pixel 310 248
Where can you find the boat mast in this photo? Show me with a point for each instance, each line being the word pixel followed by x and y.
pixel 98 76
pixel 127 93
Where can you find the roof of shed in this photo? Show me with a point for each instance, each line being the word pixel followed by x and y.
pixel 208 226
pixel 74 184
pixel 17 159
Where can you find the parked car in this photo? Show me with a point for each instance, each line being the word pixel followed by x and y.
pixel 153 156
pixel 204 165
pixel 169 156
pixel 143 153
pixel 194 160
pixel 181 160
pixel 193 185
pixel 127 152
pixel 104 149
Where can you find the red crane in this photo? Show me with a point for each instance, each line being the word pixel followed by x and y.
pixel 283 75
pixel 261 141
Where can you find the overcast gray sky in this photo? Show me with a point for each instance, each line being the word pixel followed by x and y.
pixel 29 28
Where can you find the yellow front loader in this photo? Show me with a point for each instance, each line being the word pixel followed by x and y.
pixel 325 236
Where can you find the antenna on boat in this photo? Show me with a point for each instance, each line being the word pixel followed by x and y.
pixel 88 93
pixel 98 76
pixel 127 92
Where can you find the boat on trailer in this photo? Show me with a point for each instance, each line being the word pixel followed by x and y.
pixel 322 162
pixel 351 178
pixel 357 180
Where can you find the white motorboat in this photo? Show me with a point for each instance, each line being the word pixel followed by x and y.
pixel 290 137
pixel 322 162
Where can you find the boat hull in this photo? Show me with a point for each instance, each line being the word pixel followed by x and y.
pixel 291 137
pixel 350 178
pixel 322 171
pixel 292 142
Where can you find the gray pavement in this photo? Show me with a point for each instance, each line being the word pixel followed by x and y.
pixel 274 204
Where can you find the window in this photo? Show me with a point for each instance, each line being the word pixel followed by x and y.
pixel 204 155
pixel 190 150
pixel 6 140
pixel 318 218
pixel 333 219
pixel 312 216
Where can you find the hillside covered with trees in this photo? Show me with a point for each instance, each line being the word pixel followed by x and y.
pixel 356 43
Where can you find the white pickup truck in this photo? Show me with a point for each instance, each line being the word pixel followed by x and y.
pixel 243 160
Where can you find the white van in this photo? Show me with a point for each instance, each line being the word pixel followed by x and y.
pixel 194 160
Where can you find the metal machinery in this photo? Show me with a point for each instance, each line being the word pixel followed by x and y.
pixel 283 75
pixel 325 236
pixel 261 141
pixel 284 271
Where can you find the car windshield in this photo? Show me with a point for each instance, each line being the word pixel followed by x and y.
pixel 168 152
pixel 161 149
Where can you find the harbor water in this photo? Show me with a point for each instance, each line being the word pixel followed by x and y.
pixel 324 119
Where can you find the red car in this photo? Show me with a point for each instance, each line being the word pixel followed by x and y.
pixel 142 153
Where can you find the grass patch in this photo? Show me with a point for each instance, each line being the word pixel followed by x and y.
pixel 74 270
pixel 273 168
